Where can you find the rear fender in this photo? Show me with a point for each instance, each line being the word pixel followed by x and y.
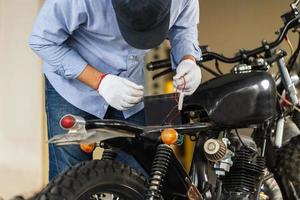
pixel 95 131
pixel 90 136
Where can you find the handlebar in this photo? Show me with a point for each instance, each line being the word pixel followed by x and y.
pixel 246 54
pixel 208 56
pixel 158 64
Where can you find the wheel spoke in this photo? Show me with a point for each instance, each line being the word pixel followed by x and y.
pixel 105 196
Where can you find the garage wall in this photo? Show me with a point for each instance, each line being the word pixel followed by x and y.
pixel 21 110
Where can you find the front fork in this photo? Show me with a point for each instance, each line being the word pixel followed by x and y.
pixel 279 132
pixel 287 81
pixel 292 94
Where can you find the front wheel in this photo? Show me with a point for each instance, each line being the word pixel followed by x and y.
pixel 96 180
pixel 289 162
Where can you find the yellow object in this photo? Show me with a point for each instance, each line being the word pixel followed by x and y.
pixel 87 148
pixel 169 136
pixel 169 87
pixel 188 152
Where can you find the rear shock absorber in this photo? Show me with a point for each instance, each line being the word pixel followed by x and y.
pixel 158 172
pixel 109 154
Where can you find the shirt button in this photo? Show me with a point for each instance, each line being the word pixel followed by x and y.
pixel 131 57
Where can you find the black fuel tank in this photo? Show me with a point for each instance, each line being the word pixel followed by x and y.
pixel 236 100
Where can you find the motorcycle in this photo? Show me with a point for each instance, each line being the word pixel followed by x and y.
pixel 225 164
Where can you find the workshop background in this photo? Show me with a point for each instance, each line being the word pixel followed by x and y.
pixel 225 26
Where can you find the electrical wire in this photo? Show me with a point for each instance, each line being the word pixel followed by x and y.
pixel 169 114
pixel 286 38
pixel 287 101
pixel 176 99
pixel 218 67
pixel 293 59
pixel 176 89
pixel 209 70
pixel 170 120
pixel 174 117
pixel 277 76
pixel 240 139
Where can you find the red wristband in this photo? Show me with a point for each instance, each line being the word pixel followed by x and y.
pixel 101 78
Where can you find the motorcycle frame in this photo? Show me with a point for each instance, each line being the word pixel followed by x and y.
pixel 178 179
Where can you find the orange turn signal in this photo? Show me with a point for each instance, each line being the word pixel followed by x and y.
pixel 169 136
pixel 87 148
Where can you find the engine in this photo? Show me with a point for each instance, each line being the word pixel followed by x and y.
pixel 244 175
pixel 239 170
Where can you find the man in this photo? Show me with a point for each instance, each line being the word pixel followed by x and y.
pixel 93 54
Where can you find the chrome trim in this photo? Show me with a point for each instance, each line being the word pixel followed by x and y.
pixel 279 132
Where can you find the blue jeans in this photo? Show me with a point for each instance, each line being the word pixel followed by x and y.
pixel 62 158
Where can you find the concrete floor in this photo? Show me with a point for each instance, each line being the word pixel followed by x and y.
pixel 17 182
pixel 20 166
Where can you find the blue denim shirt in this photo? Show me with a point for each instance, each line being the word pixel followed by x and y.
pixel 69 34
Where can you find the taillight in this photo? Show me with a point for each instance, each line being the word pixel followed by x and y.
pixel 67 121
pixel 72 123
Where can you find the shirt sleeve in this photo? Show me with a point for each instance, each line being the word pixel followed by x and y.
pixel 183 34
pixel 55 23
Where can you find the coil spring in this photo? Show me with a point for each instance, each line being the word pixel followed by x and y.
pixel 108 154
pixel 158 172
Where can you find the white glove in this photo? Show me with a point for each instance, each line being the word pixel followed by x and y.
pixel 192 76
pixel 120 93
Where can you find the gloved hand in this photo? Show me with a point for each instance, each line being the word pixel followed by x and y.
pixel 192 75
pixel 119 92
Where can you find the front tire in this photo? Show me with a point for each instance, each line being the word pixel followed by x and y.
pixel 289 162
pixel 95 180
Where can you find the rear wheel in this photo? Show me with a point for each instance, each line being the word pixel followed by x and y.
pixel 96 180
pixel 289 162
